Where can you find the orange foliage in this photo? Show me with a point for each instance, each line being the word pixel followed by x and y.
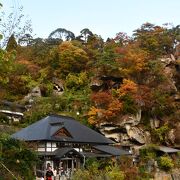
pixel 137 57
pixel 97 116
pixel 93 115
pixel 132 59
pixel 101 99
pixel 128 87
pixel 114 108
pixel 31 67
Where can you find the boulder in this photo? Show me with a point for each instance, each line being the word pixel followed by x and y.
pixel 58 87
pixel 173 136
pixel 166 61
pixel 177 135
pixel 169 71
pixel 139 135
pixel 132 120
pixel 111 131
pixel 35 92
pixel 172 57
pixel 113 136
pixel 162 176
pixel 154 123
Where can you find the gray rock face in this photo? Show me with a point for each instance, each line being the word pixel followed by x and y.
pixel 58 87
pixel 35 92
pixel 173 135
pixel 177 52
pixel 162 175
pixel 127 131
pixel 139 135
pixel 166 60
pixel 133 120
pixel 154 123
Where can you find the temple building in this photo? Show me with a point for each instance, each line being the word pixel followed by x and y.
pixel 63 142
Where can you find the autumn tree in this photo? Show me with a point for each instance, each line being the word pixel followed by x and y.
pixel 106 108
pixel 122 38
pixel 127 95
pixel 131 62
pixel 70 59
pixel 106 62
pixel 156 40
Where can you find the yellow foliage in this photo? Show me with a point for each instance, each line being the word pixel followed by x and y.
pixel 92 115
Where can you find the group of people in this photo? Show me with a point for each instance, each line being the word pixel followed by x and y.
pixel 52 174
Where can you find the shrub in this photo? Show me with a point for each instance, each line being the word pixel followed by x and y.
pixel 92 165
pixel 81 175
pixel 17 157
pixel 4 119
pixel 148 152
pixel 77 81
pixel 161 132
pixel 165 163
pixel 115 174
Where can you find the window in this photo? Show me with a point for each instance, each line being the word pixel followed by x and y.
pixel 51 146
pixel 41 147
pixel 47 146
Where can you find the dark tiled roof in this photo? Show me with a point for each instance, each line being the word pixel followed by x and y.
pixel 45 128
pixel 167 149
pixel 63 151
pixel 111 150
pixel 164 149
pixel 92 154
pixel 13 105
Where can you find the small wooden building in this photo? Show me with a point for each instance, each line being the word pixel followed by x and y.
pixel 11 111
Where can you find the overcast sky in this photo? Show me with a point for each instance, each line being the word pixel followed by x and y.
pixel 102 17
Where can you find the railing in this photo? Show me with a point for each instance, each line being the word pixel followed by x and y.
pixel 8 171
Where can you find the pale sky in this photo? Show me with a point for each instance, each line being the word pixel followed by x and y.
pixel 102 17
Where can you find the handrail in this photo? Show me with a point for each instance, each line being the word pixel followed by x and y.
pixel 8 170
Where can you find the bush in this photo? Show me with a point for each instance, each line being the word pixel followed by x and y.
pixel 17 157
pixel 161 132
pixel 81 175
pixel 115 174
pixel 92 165
pixel 4 119
pixel 149 152
pixel 165 163
pixel 77 81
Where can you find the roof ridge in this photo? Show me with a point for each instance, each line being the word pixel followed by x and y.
pixel 59 115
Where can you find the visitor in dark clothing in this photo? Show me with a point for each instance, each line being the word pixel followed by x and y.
pixel 49 173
